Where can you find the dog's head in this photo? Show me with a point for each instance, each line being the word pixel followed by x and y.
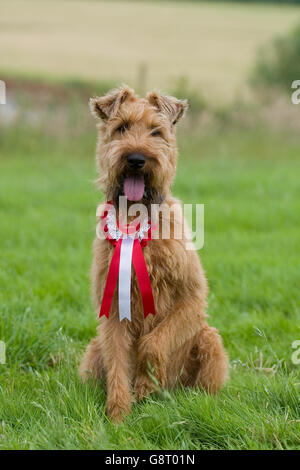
pixel 136 152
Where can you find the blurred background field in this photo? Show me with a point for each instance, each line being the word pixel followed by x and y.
pixel 211 44
pixel 239 155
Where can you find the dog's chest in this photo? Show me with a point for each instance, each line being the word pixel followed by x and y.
pixel 165 260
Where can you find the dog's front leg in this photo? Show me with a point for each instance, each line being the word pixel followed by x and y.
pixel 156 347
pixel 117 354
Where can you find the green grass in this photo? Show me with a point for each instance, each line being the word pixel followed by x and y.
pixel 249 183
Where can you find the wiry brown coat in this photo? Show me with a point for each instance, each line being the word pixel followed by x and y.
pixel 178 343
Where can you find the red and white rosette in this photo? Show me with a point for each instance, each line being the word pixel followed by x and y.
pixel 128 241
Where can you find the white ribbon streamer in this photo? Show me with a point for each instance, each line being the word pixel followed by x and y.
pixel 125 278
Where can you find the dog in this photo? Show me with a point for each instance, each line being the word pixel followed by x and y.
pixel 136 158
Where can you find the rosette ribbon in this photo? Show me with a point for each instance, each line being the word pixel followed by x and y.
pixel 127 252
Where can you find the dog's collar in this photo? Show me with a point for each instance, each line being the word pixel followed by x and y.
pixel 114 231
pixel 128 242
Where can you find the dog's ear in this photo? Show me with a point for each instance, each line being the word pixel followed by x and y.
pixel 105 107
pixel 168 105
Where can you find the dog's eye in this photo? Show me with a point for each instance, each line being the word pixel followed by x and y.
pixel 123 128
pixel 156 133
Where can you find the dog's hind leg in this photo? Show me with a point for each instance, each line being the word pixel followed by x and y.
pixel 92 362
pixel 206 365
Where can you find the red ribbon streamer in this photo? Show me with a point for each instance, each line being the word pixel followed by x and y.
pixel 142 275
pixel 143 278
pixel 111 281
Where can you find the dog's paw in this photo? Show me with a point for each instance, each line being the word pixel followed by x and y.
pixel 151 365
pixel 84 374
pixel 144 386
pixel 117 412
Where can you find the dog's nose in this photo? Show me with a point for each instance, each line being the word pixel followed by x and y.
pixel 136 160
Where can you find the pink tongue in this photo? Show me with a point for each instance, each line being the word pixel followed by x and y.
pixel 134 187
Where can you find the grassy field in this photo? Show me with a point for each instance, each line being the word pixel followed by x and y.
pixel 212 44
pixel 249 182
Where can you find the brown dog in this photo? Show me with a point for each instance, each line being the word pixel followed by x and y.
pixel 176 344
